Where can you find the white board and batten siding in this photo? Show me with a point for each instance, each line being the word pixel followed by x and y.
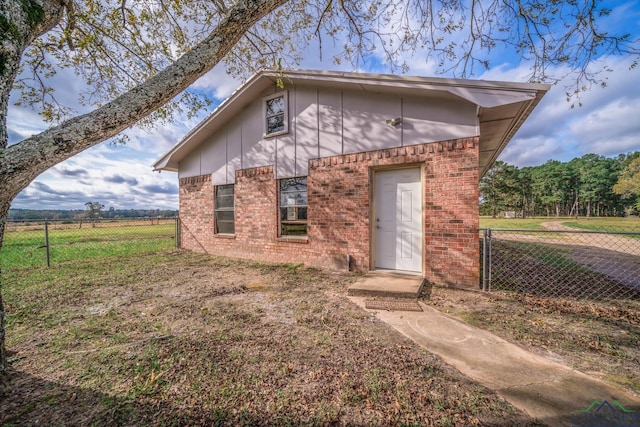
pixel 327 122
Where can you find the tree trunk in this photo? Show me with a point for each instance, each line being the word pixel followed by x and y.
pixel 574 207
pixel 21 163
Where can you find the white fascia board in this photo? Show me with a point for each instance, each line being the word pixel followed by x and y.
pixel 489 98
pixel 402 81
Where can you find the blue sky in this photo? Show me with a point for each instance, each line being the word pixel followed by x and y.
pixel 121 176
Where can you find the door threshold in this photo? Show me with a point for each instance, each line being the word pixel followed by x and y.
pixel 403 272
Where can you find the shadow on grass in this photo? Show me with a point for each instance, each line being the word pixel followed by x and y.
pixel 28 400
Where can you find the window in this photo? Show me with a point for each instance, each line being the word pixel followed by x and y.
pixel 293 206
pixel 275 112
pixel 223 209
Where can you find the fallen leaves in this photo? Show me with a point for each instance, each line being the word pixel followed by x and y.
pixel 242 344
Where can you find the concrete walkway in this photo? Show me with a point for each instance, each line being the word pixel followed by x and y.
pixel 548 391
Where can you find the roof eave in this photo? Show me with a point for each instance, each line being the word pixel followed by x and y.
pixel 525 109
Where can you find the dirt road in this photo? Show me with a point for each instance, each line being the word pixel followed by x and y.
pixel 605 240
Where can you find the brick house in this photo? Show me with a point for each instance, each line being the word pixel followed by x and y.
pixel 347 170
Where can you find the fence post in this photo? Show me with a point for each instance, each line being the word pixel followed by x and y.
pixel 484 260
pixel 489 259
pixel 177 232
pixel 46 242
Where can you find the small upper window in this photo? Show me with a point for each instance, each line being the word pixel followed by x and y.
pixel 275 113
pixel 293 206
pixel 223 206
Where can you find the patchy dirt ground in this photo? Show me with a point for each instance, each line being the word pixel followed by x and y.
pixel 185 339
pixel 598 338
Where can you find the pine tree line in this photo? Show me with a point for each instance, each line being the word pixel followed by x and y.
pixel 591 185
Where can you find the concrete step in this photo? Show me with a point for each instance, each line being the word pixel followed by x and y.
pixel 387 285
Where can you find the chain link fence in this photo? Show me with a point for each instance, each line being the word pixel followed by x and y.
pixel 595 265
pixel 33 243
pixel 562 262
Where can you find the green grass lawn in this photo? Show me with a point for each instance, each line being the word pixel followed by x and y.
pixel 595 224
pixel 608 224
pixel 518 223
pixel 27 247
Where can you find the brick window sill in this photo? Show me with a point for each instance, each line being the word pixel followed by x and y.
pixel 224 236
pixel 292 239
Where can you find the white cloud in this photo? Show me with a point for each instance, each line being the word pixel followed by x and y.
pixel 217 81
pixel 605 124
pixel 117 176
pixel 23 123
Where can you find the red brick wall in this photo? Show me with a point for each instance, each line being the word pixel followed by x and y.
pixel 339 210
pixel 196 212
pixel 452 251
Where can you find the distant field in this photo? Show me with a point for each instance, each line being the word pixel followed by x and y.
pixel 529 224
pixel 25 245
pixel 595 224
pixel 610 224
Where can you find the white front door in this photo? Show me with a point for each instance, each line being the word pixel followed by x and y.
pixel 398 220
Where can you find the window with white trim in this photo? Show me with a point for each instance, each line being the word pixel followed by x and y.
pixel 276 117
pixel 292 203
pixel 223 206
